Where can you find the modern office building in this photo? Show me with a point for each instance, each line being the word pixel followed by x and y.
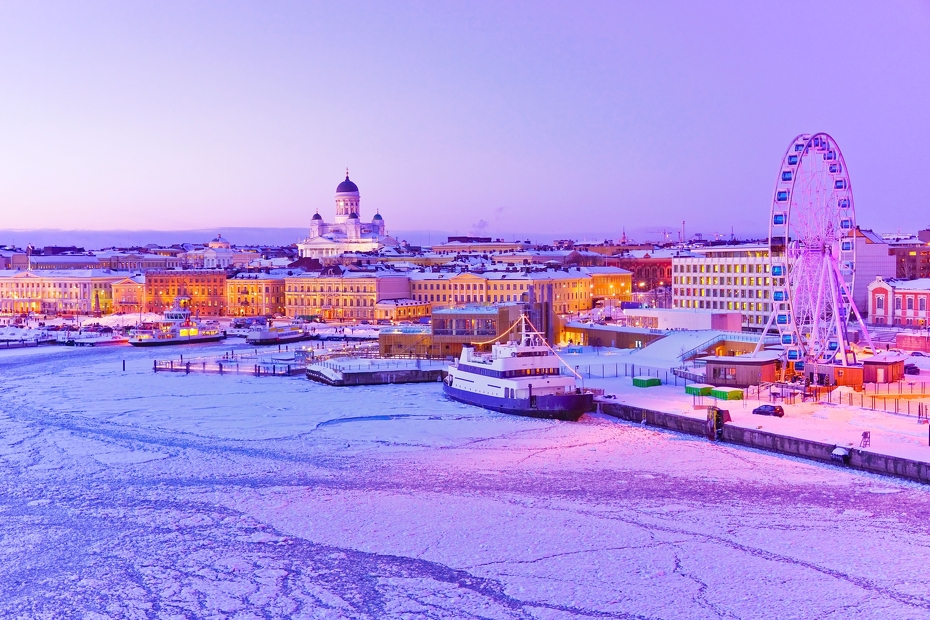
pixel 732 278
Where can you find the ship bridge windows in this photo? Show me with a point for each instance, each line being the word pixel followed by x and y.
pixel 507 374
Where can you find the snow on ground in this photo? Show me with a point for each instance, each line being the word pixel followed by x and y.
pixel 136 495
pixel 895 434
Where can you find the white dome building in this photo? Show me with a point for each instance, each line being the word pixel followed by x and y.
pixel 347 233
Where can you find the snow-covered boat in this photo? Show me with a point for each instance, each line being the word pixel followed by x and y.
pixel 177 327
pixel 520 378
pixel 277 335
pixel 240 327
pixel 93 337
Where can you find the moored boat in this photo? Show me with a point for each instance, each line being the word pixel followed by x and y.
pixel 177 327
pixel 520 378
pixel 276 335
pixel 95 337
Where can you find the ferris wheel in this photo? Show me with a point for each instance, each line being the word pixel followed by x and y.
pixel 812 253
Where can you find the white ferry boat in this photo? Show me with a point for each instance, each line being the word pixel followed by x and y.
pixel 276 335
pixel 520 378
pixel 177 327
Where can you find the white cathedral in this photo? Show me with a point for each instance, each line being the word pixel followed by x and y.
pixel 347 233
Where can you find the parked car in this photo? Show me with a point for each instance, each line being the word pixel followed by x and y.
pixel 775 410
pixel 911 369
pixel 919 354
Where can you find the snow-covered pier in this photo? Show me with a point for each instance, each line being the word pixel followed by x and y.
pixel 277 364
pixel 365 371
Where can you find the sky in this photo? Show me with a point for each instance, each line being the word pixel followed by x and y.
pixel 578 119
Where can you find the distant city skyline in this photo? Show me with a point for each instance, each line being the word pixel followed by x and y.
pixel 520 119
pixel 96 239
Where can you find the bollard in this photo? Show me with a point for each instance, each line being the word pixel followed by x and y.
pixel 187 368
pixel 154 366
pixel 124 365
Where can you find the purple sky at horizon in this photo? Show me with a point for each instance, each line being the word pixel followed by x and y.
pixel 483 117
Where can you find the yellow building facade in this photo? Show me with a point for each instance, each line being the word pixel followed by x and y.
pixel 256 294
pixel 72 291
pixel 336 295
pixel 569 290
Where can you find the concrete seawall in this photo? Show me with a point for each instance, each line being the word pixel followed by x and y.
pixel 863 460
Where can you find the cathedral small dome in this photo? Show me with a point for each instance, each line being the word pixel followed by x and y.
pixel 317 216
pixel 353 216
pixel 377 218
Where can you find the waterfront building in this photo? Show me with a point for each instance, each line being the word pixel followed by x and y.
pixel 205 288
pixel 558 258
pixel 256 294
pixel 569 290
pixel 481 245
pixel 899 302
pixel 610 284
pixel 911 254
pixel 734 278
pixel 874 258
pixel 70 291
pixel 337 293
pixel 347 233
pixel 63 261
pixel 218 254
pixel 401 310
pixel 651 268
pixel 134 261
pixel 129 294
pixel 13 259
pixel 452 328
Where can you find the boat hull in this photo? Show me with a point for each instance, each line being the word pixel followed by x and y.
pixel 567 407
pixel 284 340
pixel 152 342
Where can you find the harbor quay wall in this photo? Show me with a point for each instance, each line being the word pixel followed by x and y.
pixel 859 459
pixel 679 423
pixel 376 377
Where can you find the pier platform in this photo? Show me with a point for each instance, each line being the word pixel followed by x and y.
pixel 363 371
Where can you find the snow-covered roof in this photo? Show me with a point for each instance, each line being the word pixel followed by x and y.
pixel 920 284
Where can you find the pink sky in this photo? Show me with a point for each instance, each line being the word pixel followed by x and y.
pixel 533 117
